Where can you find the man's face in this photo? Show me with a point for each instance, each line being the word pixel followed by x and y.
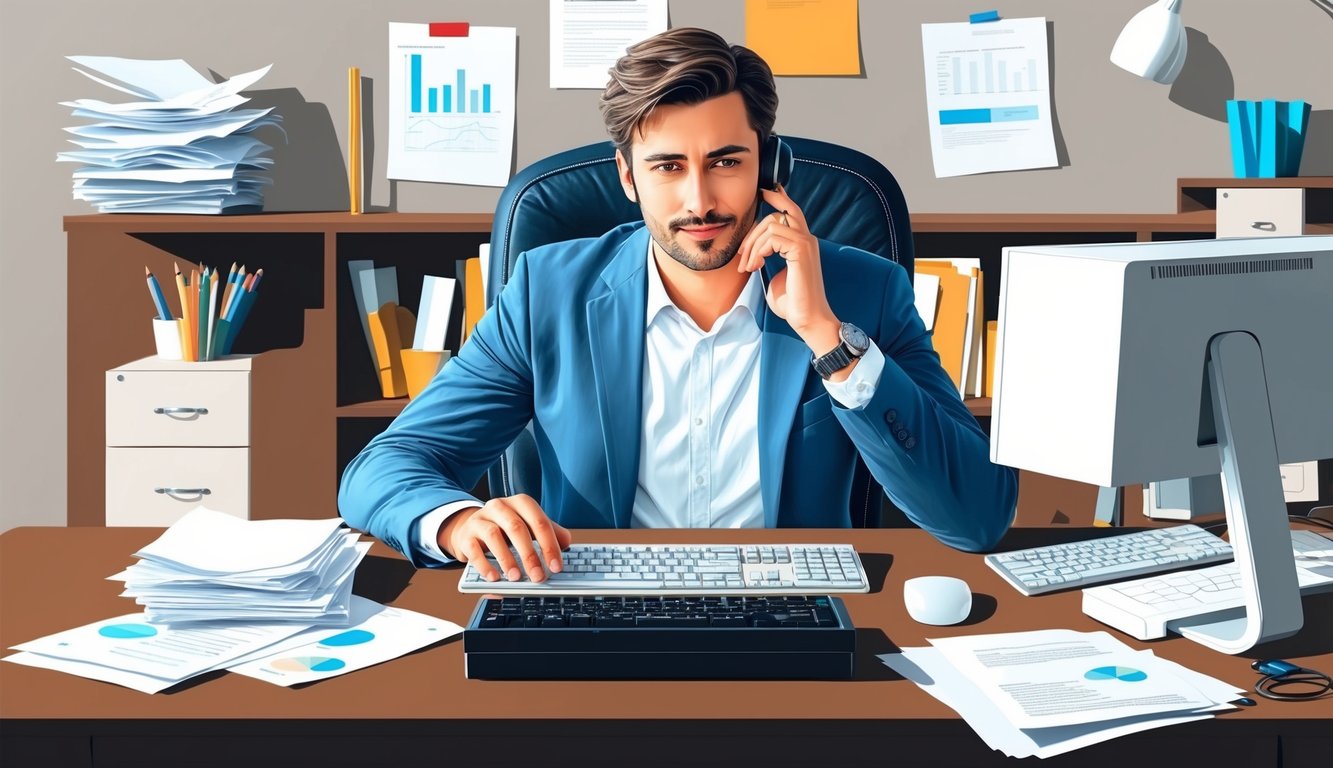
pixel 696 177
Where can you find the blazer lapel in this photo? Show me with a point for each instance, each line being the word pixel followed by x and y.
pixel 615 331
pixel 784 363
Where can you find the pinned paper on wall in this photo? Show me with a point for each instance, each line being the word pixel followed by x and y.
pixel 988 96
pixel 587 36
pixel 451 103
pixel 808 37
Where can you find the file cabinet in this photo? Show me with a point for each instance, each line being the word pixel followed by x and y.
pixel 1260 212
pixel 177 436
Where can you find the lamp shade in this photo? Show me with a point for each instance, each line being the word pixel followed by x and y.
pixel 1152 45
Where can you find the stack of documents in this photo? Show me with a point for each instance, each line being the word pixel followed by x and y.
pixel 182 147
pixel 211 567
pixel 1049 692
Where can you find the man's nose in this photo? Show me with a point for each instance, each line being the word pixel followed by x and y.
pixel 699 197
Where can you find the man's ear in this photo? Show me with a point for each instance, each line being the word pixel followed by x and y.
pixel 626 177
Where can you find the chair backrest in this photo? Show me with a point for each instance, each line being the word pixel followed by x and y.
pixel 848 197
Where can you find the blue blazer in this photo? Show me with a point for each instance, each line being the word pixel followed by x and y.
pixel 563 347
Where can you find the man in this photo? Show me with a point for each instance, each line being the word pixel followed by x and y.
pixel 699 369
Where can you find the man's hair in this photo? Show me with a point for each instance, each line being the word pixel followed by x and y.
pixel 685 66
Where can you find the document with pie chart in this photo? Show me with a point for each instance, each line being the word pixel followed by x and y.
pixel 386 633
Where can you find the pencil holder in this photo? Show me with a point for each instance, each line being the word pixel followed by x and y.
pixel 420 366
pixel 1267 137
pixel 167 336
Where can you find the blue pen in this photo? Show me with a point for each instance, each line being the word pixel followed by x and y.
pixel 159 300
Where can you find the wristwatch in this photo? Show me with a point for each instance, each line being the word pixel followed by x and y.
pixel 853 343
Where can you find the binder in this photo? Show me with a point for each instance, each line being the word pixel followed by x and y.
pixel 976 324
pixel 992 331
pixel 474 295
pixel 950 316
pixel 392 328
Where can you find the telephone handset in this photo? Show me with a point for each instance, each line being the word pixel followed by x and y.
pixel 775 163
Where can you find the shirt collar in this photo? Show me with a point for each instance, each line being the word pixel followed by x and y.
pixel 752 295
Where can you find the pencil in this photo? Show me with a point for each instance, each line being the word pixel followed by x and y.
pixel 231 281
pixel 159 300
pixel 354 139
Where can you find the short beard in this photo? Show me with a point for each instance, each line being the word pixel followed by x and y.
pixel 708 258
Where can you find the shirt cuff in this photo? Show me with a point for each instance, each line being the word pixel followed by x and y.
pixel 428 529
pixel 859 386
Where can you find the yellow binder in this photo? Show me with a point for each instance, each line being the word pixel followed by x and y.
pixel 474 297
pixel 391 328
pixel 950 317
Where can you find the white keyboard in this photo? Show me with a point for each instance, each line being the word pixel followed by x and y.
pixel 694 569
pixel 1084 563
pixel 1149 608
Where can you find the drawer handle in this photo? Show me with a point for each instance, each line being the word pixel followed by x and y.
pixel 1264 226
pixel 184 410
pixel 183 491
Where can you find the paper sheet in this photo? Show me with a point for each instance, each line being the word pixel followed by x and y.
pixel 988 97
pixel 381 633
pixel 805 37
pixel 451 105
pixel 927 287
pixel 587 36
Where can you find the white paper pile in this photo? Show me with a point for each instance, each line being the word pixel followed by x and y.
pixel 182 148
pixel 212 567
pixel 1048 692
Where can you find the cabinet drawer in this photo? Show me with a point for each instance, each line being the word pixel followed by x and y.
pixel 171 408
pixel 1260 212
pixel 134 475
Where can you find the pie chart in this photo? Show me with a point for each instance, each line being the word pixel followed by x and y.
pixel 127 631
pixel 309 664
pixel 1128 674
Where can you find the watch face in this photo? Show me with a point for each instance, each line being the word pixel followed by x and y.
pixel 855 338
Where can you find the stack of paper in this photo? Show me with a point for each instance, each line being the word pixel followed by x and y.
pixel 1049 692
pixel 212 567
pixel 182 148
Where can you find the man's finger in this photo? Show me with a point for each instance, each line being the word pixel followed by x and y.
pixel 540 525
pixel 520 536
pixel 495 540
pixel 562 535
pixel 473 553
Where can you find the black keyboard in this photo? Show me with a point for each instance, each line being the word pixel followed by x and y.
pixel 678 638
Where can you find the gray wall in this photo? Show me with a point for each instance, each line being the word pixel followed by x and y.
pixel 1122 141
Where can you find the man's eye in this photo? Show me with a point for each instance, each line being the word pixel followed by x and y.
pixel 667 167
pixel 728 162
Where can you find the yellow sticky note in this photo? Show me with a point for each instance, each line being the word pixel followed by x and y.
pixel 804 37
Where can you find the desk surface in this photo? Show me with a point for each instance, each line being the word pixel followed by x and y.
pixel 53 579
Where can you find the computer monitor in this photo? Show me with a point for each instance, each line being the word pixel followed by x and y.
pixel 1120 364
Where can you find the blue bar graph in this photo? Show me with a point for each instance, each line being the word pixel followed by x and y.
pixel 416 82
pixel 455 97
pixel 987 115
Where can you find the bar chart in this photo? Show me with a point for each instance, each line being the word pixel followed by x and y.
pixel 962 73
pixel 446 98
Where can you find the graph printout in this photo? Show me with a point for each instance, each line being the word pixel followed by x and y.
pixel 451 105
pixel 988 96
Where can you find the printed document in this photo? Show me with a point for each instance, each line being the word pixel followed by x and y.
pixel 451 105
pixel 587 36
pixel 988 96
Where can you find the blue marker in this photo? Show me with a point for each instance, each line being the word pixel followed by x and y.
pixel 159 300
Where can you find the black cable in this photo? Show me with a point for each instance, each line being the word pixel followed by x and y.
pixel 1279 674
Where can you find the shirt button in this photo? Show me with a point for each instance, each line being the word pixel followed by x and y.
pixel 699 480
pixel 698 422
pixel 901 435
pixel 909 443
pixel 891 416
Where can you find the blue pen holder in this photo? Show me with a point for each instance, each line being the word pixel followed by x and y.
pixel 1267 137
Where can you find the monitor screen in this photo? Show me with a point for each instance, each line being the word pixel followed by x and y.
pixel 1121 364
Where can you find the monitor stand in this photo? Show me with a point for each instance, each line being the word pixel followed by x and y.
pixel 1252 491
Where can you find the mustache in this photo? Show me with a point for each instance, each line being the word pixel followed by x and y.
pixel 709 220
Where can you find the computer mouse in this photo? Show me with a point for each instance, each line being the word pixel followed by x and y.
pixel 937 600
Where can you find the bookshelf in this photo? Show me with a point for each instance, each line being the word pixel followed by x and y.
pixel 314 396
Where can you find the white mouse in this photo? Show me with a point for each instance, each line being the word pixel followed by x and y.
pixel 938 600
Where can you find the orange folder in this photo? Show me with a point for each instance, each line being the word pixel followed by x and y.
pixel 474 298
pixel 950 317
pixel 391 329
pixel 992 330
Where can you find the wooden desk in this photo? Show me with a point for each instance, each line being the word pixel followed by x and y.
pixel 421 706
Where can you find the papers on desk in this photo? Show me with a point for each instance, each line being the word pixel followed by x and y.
pixel 1049 692
pixel 133 652
pixel 182 147
pixel 212 567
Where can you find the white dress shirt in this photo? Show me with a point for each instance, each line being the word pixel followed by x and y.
pixel 700 417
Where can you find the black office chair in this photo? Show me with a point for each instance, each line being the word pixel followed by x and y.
pixel 847 197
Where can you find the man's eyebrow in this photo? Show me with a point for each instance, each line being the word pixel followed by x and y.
pixel 730 149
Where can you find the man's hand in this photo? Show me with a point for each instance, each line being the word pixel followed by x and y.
pixel 510 521
pixel 796 294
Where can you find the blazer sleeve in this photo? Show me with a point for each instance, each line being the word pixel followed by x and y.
pixel 919 440
pixel 452 432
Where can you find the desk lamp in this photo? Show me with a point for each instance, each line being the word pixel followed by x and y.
pixel 1152 45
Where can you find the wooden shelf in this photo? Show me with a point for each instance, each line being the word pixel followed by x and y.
pixel 331 221
pixel 1194 195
